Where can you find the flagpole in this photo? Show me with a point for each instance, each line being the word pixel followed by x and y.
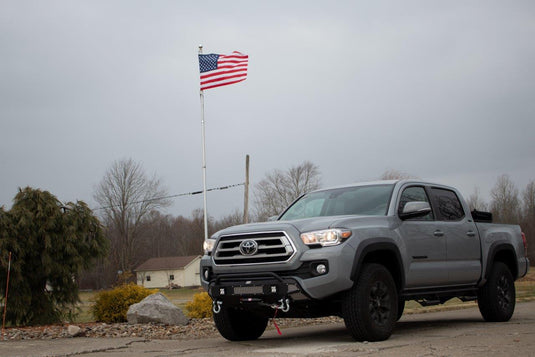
pixel 203 161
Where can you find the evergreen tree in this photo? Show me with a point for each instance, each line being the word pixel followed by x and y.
pixel 50 244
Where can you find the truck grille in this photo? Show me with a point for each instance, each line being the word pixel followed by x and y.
pixel 269 247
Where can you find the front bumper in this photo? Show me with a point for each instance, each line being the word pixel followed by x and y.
pixel 272 282
pixel 264 288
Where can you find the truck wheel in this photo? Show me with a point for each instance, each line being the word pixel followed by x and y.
pixel 496 299
pixel 370 308
pixel 239 325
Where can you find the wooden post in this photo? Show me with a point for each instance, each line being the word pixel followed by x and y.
pixel 7 289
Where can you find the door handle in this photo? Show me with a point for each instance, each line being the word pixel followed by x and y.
pixel 471 234
pixel 438 233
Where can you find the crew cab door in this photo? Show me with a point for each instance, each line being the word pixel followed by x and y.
pixel 463 250
pixel 425 245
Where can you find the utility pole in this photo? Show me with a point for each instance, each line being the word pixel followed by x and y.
pixel 246 192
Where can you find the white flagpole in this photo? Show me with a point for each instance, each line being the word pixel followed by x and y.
pixel 203 162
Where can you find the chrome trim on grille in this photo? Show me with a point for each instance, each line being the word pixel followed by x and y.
pixel 273 247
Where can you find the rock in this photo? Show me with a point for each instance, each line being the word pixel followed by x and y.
pixel 74 330
pixel 155 308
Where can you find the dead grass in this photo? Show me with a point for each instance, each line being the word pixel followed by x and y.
pixel 525 291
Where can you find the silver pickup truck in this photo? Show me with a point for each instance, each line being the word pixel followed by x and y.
pixel 359 252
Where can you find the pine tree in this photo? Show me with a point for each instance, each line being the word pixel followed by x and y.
pixel 50 244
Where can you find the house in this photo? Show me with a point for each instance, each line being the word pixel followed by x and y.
pixel 169 272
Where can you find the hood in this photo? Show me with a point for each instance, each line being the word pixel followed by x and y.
pixel 302 225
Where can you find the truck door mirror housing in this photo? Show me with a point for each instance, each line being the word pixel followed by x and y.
pixel 415 209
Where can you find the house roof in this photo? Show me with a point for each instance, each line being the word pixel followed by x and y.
pixel 166 263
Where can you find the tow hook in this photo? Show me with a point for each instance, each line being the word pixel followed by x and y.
pixel 216 306
pixel 284 305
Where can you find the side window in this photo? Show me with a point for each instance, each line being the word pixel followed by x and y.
pixel 449 206
pixel 415 193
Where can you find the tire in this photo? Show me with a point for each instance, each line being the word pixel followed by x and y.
pixel 370 308
pixel 239 325
pixel 497 298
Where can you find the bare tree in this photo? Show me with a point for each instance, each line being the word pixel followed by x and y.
pixel 395 175
pixel 191 232
pixel 476 202
pixel 280 188
pixel 127 196
pixel 505 205
pixel 529 200
pixel 528 218
pixel 233 219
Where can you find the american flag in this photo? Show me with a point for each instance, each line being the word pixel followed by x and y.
pixel 220 70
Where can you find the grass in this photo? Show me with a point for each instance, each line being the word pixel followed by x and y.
pixel 525 291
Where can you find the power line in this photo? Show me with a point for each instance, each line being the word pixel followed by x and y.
pixel 177 195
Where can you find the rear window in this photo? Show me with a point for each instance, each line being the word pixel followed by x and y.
pixel 448 204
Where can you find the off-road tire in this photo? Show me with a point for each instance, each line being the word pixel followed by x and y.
pixel 370 307
pixel 496 299
pixel 239 325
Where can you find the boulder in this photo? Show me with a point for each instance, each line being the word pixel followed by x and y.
pixel 155 308
pixel 74 331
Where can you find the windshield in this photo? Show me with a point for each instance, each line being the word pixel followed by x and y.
pixel 359 200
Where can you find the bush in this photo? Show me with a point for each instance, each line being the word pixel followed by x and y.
pixel 200 307
pixel 112 305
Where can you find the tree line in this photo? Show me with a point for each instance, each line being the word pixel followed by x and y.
pixel 138 230
pixel 509 205
pixel 131 211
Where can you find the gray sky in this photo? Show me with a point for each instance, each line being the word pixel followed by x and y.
pixel 444 90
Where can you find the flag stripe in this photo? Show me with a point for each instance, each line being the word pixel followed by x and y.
pixel 222 79
pixel 223 84
pixel 219 70
pixel 219 73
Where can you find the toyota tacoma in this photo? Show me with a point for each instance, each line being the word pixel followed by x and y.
pixel 360 251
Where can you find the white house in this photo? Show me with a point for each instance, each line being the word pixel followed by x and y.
pixel 169 271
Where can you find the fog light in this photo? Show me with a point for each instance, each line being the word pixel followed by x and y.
pixel 321 269
pixel 206 274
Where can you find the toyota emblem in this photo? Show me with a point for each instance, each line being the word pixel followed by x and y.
pixel 248 247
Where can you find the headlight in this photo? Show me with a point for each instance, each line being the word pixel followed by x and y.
pixel 208 245
pixel 326 237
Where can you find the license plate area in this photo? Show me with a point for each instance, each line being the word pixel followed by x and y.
pixel 249 289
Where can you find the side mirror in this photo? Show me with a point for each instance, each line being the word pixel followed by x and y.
pixel 415 209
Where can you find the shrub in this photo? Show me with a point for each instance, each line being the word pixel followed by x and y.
pixel 200 307
pixel 112 305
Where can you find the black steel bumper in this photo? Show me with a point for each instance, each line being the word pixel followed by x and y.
pixel 264 288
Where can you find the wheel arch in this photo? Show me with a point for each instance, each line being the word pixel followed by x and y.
pixel 505 253
pixel 381 252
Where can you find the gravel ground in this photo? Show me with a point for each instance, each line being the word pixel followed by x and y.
pixel 195 329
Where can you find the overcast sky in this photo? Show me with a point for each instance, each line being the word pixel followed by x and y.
pixel 443 90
